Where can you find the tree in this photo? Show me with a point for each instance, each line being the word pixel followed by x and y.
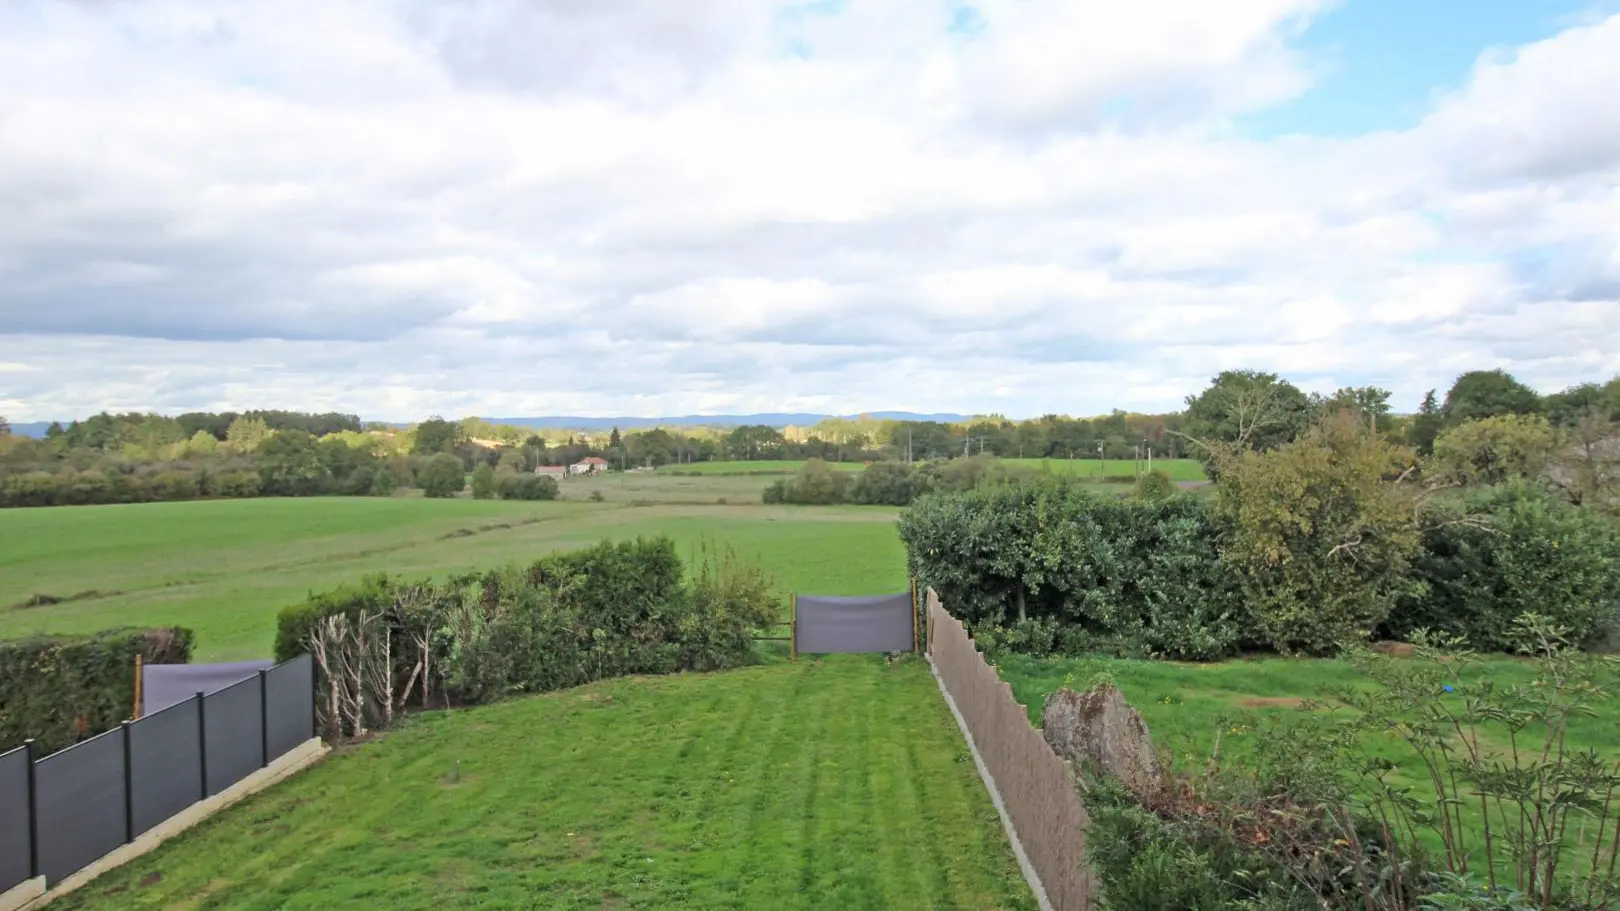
pixel 436 435
pixel 1569 407
pixel 202 443
pixel 1318 533
pixel 1588 470
pixel 1494 449
pixel 483 482
pixel 5 426
pixel 1155 487
pixel 246 434
pixel 1245 410
pixel 613 439
pixel 1426 425
pixel 290 465
pixel 442 477
pixel 1488 393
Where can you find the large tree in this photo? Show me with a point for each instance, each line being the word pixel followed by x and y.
pixel 1488 393
pixel 1426 424
pixel 436 435
pixel 1246 410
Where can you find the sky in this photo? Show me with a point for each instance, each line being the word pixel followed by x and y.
pixel 637 207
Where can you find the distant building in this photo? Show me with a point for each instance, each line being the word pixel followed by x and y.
pixel 551 471
pixel 589 465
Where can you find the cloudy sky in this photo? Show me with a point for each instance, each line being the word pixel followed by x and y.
pixel 522 207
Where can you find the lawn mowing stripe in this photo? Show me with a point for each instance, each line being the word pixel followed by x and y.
pixel 765 830
pixel 816 741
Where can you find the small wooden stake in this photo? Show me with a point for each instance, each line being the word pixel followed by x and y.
pixel 915 645
pixel 136 714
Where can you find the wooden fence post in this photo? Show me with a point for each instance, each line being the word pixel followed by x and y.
pixel 136 712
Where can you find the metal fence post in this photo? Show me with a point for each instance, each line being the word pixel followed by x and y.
pixel 33 809
pixel 202 743
pixel 129 787
pixel 264 721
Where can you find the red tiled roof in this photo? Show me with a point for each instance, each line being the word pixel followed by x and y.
pixel 593 460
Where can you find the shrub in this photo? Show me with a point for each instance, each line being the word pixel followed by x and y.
pixel 525 487
pixel 1154 487
pixel 296 622
pixel 1319 539
pixel 1494 449
pixel 483 482
pixel 815 484
pixel 886 484
pixel 1508 550
pixel 236 484
pixel 1120 571
pixel 62 689
pixel 442 477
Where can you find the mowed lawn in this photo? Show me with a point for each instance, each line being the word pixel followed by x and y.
pixel 841 783
pixel 225 567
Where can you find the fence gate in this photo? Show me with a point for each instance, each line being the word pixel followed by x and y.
pixel 876 623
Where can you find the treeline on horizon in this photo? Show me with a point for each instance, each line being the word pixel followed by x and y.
pixel 138 457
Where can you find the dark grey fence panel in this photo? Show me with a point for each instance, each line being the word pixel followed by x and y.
pixel 290 704
pixel 80 794
pixel 234 727
pixel 16 854
pixel 165 764
pixel 881 623
pixel 163 685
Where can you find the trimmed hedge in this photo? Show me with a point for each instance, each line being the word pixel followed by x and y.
pixel 1019 561
pixel 60 690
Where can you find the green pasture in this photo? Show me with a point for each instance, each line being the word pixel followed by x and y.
pixel 1177 469
pixel 225 567
pixel 751 467
pixel 841 783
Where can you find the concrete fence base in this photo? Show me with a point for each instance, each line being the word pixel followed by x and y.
pixel 299 758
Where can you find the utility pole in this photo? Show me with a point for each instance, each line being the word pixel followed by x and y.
pixel 1099 460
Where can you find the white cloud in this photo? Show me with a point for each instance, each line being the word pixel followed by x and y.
pixel 526 207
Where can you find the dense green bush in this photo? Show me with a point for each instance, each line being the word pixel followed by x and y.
pixel 525 487
pixel 887 484
pixel 442 477
pixel 62 689
pixel 483 482
pixel 1120 570
pixel 566 619
pixel 815 484
pixel 1155 486
pixel 1509 550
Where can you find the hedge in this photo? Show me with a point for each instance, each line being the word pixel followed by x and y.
pixel 1508 550
pixel 1132 576
pixel 63 689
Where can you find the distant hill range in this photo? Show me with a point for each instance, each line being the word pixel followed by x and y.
pixel 713 420
pixel 563 422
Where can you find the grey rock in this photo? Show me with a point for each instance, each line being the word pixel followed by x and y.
pixel 1099 728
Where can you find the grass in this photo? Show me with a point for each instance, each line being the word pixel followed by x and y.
pixel 1188 706
pixel 751 467
pixel 225 567
pixel 841 783
pixel 1177 469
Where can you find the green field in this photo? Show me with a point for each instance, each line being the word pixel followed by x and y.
pixel 225 567
pixel 1177 469
pixel 755 467
pixel 841 783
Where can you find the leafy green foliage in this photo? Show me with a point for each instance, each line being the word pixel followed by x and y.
pixel 62 689
pixel 442 477
pixel 483 482
pixel 1154 487
pixel 1507 550
pixel 1426 425
pixel 816 483
pixel 436 435
pixel 1488 393
pixel 1319 538
pixel 1144 573
pixel 1248 409
pixel 568 618
pixel 1494 449
pixel 525 487
pixel 887 484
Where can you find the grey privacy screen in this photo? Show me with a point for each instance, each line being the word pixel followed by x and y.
pixel 165 764
pixel 878 623
pixel 80 792
pixel 289 695
pixel 163 685
pixel 15 852
pixel 233 731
